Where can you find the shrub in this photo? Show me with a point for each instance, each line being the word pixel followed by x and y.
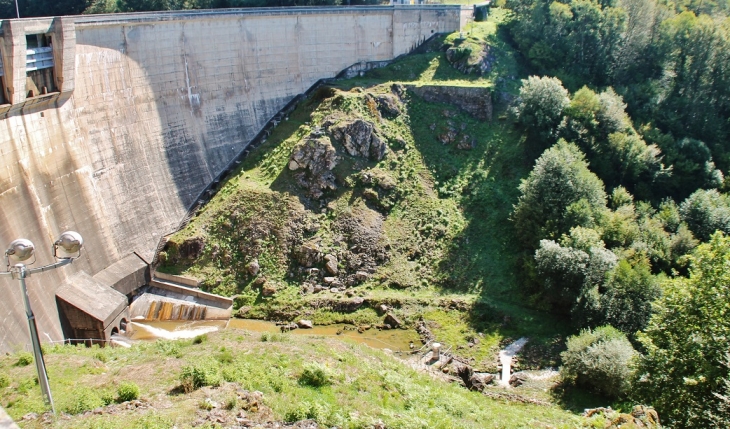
pixel 315 375
pixel 169 348
pixel 83 400
pixel 127 391
pixel 24 359
pixel 200 374
pixel 200 339
pixel 4 380
pixel 600 360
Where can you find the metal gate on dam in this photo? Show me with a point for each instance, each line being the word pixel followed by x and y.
pixel 111 125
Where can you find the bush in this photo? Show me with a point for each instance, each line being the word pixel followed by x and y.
pixel 4 380
pixel 200 339
pixel 315 375
pixel 84 399
pixel 24 359
pixel 127 391
pixel 169 348
pixel 600 360
pixel 200 374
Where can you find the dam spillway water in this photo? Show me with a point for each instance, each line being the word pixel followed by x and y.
pixel 141 111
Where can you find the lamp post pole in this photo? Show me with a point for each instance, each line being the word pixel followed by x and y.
pixel 21 250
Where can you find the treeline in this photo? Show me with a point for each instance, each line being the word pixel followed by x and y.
pixel 34 8
pixel 624 215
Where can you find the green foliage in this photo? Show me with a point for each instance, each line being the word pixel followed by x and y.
pixel 24 359
pixel 541 105
pixel 706 211
pixel 200 339
pixel 169 348
pixel 4 380
pixel 560 193
pixel 199 374
pixel 127 391
pixel 315 375
pixel 84 399
pixel 600 360
pixel 687 342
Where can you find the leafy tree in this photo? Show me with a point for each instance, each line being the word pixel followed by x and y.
pixel 687 342
pixel 560 185
pixel 601 360
pixel 705 212
pixel 627 299
pixel 541 104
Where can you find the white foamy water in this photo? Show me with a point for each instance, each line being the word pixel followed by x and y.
pixel 178 334
pixel 505 357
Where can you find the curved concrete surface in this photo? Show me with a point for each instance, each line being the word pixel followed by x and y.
pixel 151 107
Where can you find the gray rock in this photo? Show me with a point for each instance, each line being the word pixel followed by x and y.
pixel 517 379
pixel 480 380
pixel 308 254
pixel 359 138
pixel 305 324
pixel 361 276
pixel 331 267
pixel 253 267
pixel 391 320
pixel 357 302
pixel 329 280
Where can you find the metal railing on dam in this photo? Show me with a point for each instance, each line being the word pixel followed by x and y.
pixel 146 110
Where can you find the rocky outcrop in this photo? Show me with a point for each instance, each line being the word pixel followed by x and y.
pixel 640 417
pixel 313 159
pixel 476 101
pixel 358 137
pixel 471 58
pixel 308 255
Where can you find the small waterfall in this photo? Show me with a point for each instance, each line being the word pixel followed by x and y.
pixel 154 332
pixel 164 310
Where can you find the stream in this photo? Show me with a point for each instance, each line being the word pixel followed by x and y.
pixel 397 340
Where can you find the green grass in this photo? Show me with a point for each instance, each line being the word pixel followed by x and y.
pixel 350 386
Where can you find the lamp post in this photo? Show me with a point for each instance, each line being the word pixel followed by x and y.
pixel 21 250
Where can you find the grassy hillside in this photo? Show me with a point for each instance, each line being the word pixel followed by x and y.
pixel 252 379
pixel 425 230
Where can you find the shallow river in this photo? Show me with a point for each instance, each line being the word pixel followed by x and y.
pixel 394 339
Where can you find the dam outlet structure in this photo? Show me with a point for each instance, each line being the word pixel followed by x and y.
pixel 113 125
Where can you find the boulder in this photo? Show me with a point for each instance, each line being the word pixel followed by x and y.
pixel 253 267
pixel 356 302
pixel 329 280
pixel 361 276
pixel 388 104
pixel 391 320
pixel 517 379
pixel 308 254
pixel 331 267
pixel 314 158
pixel 268 289
pixel 305 324
pixel 480 380
pixel 463 371
pixel 359 138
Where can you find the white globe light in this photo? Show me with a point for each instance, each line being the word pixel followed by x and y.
pixel 70 242
pixel 20 249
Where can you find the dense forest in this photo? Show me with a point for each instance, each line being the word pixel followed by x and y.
pixel 619 217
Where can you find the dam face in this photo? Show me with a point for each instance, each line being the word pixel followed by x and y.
pixel 111 125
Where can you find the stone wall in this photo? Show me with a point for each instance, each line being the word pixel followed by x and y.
pixel 150 108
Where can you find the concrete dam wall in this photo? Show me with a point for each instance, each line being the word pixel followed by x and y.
pixel 135 114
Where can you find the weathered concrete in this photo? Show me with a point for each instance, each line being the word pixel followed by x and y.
pixel 150 108
pixel 90 309
pixel 5 421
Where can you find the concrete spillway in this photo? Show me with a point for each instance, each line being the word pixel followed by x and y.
pixel 139 112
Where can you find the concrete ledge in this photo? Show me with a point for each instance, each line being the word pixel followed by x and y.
pixel 187 281
pixel 197 293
